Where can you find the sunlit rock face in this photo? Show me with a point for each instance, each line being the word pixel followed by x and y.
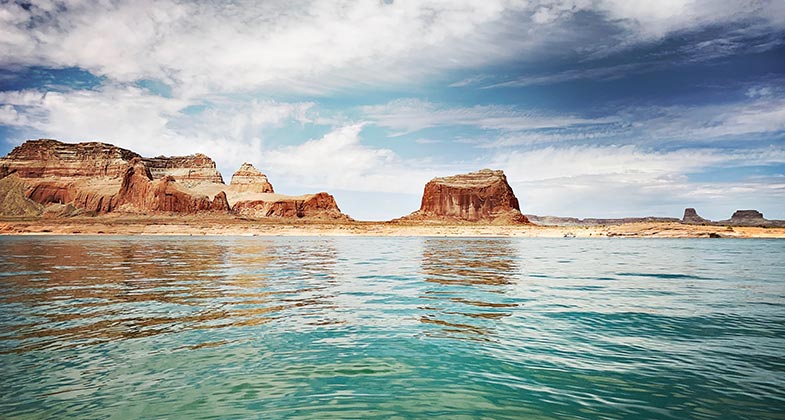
pixel 188 170
pixel 482 196
pixel 313 206
pixel 46 158
pixel 250 179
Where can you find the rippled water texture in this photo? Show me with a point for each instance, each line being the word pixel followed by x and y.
pixel 131 327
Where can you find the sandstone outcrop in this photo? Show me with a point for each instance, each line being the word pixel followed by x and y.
pixel 249 179
pixel 48 158
pixel 483 196
pixel 313 206
pixel 98 178
pixel 691 217
pixel 188 170
pixel 140 193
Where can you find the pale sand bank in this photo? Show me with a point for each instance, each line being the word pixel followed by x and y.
pixel 222 226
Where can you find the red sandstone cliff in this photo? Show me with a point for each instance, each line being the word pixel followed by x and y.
pixel 140 193
pixel 317 206
pixel 48 176
pixel 482 196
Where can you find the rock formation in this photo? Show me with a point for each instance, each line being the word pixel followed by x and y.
pixel 188 170
pixel 55 179
pixel 483 196
pixel 748 218
pixel 744 216
pixel 249 179
pixel 140 193
pixel 47 158
pixel 691 217
pixel 318 206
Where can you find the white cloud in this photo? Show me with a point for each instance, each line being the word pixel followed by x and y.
pixel 410 115
pixel 318 45
pixel 339 160
pixel 129 117
pixel 214 46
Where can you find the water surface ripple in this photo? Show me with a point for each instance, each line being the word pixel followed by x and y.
pixel 184 327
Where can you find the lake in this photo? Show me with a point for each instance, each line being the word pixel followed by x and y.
pixel 349 327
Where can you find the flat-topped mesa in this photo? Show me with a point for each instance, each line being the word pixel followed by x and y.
pixel 746 218
pixel 691 217
pixel 188 170
pixel 47 158
pixel 250 179
pixel 482 196
pixel 750 218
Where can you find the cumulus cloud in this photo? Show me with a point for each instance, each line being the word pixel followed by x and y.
pixel 339 160
pixel 216 46
pixel 133 118
pixel 219 57
pixel 318 45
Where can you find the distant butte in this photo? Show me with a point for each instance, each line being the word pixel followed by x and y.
pixel 249 179
pixel 482 196
pixel 691 217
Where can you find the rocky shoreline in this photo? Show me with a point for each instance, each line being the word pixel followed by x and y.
pixel 237 226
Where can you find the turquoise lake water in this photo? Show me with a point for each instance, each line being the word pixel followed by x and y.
pixel 182 327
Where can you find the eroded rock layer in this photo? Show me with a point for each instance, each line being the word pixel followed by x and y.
pixel 187 170
pixel 47 158
pixel 49 178
pixel 140 193
pixel 318 206
pixel 482 196
pixel 249 179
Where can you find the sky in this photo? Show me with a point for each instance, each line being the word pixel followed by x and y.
pixel 593 108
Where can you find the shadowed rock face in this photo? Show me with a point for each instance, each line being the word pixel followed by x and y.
pixel 319 206
pixel 187 170
pixel 140 193
pixel 47 158
pixel 477 196
pixel 691 217
pixel 747 215
pixel 747 218
pixel 249 179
